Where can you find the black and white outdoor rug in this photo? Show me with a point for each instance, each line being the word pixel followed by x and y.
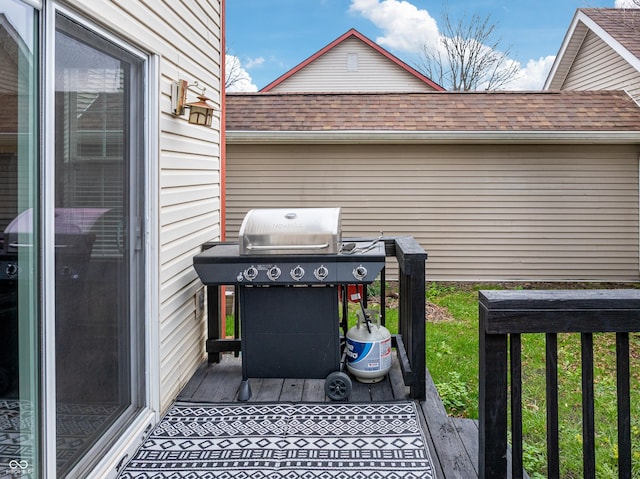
pixel 288 441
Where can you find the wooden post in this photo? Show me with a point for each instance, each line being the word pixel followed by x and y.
pixel 492 412
pixel 411 261
pixel 214 311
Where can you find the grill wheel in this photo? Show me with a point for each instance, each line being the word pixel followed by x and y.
pixel 338 386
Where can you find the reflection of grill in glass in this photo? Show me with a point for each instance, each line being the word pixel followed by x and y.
pixel 287 266
pixel 74 241
pixel 8 322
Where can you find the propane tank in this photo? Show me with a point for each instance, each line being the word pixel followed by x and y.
pixel 368 348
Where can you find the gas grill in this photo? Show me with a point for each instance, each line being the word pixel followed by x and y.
pixel 287 267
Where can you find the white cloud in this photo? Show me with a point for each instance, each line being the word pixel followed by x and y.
pixel 254 62
pixel 627 4
pixel 407 28
pixel 533 76
pixel 238 79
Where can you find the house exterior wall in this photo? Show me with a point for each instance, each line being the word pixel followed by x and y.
pixel 482 212
pixel 186 38
pixel 598 67
pixel 352 66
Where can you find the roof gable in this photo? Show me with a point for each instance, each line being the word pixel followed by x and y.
pixel 412 76
pixel 617 27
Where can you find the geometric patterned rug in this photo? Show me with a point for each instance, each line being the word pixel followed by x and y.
pixel 77 427
pixel 285 441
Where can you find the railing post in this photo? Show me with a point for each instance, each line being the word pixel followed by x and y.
pixel 213 319
pixel 515 366
pixel 492 412
pixel 624 405
pixel 588 413
pixel 551 368
pixel 214 303
pixel 411 262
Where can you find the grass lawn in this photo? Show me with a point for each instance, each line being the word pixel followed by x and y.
pixel 452 359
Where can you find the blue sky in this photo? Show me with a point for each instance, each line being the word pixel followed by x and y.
pixel 268 38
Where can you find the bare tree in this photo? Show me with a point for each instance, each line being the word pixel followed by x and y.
pixel 233 70
pixel 468 56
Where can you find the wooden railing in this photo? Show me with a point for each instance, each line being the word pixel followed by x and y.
pixel 410 339
pixel 504 317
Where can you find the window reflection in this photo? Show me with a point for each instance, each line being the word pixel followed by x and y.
pixel 19 326
pixel 95 84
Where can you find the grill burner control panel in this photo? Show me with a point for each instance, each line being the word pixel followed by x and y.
pixel 301 273
pixel 222 265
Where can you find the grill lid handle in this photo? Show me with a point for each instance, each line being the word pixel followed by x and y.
pixel 287 247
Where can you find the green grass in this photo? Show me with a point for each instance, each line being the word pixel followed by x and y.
pixel 452 359
pixel 449 341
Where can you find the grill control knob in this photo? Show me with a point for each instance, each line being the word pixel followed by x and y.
pixel 251 273
pixel 11 270
pixel 360 273
pixel 274 273
pixel 321 272
pixel 297 273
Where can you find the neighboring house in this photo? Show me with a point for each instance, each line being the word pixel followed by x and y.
pixel 352 62
pixel 106 196
pixel 493 185
pixel 601 51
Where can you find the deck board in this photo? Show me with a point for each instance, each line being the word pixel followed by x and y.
pixel 292 390
pixel 453 456
pixel 269 391
pixel 453 442
pixel 195 382
pixel 468 431
pixel 313 391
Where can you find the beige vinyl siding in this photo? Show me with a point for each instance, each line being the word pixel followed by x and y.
pixel 331 72
pixel 598 67
pixel 482 212
pixel 186 37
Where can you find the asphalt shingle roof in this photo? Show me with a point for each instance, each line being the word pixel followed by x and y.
pixel 623 24
pixel 437 111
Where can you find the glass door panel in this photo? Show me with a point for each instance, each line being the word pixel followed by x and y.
pixel 98 345
pixel 19 246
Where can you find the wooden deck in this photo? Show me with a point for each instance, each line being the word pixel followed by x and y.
pixel 453 442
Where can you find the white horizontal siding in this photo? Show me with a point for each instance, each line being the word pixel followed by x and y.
pixel 186 37
pixel 482 212
pixel 598 67
pixel 374 73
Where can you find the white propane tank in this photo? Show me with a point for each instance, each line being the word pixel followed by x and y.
pixel 368 349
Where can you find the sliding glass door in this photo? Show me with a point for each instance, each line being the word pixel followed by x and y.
pixel 98 241
pixel 84 190
pixel 20 406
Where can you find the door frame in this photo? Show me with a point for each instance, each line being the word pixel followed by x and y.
pixel 132 436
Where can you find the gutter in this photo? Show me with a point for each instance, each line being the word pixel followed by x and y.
pixel 431 137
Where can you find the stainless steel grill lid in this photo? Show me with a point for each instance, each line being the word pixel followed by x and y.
pixel 291 231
